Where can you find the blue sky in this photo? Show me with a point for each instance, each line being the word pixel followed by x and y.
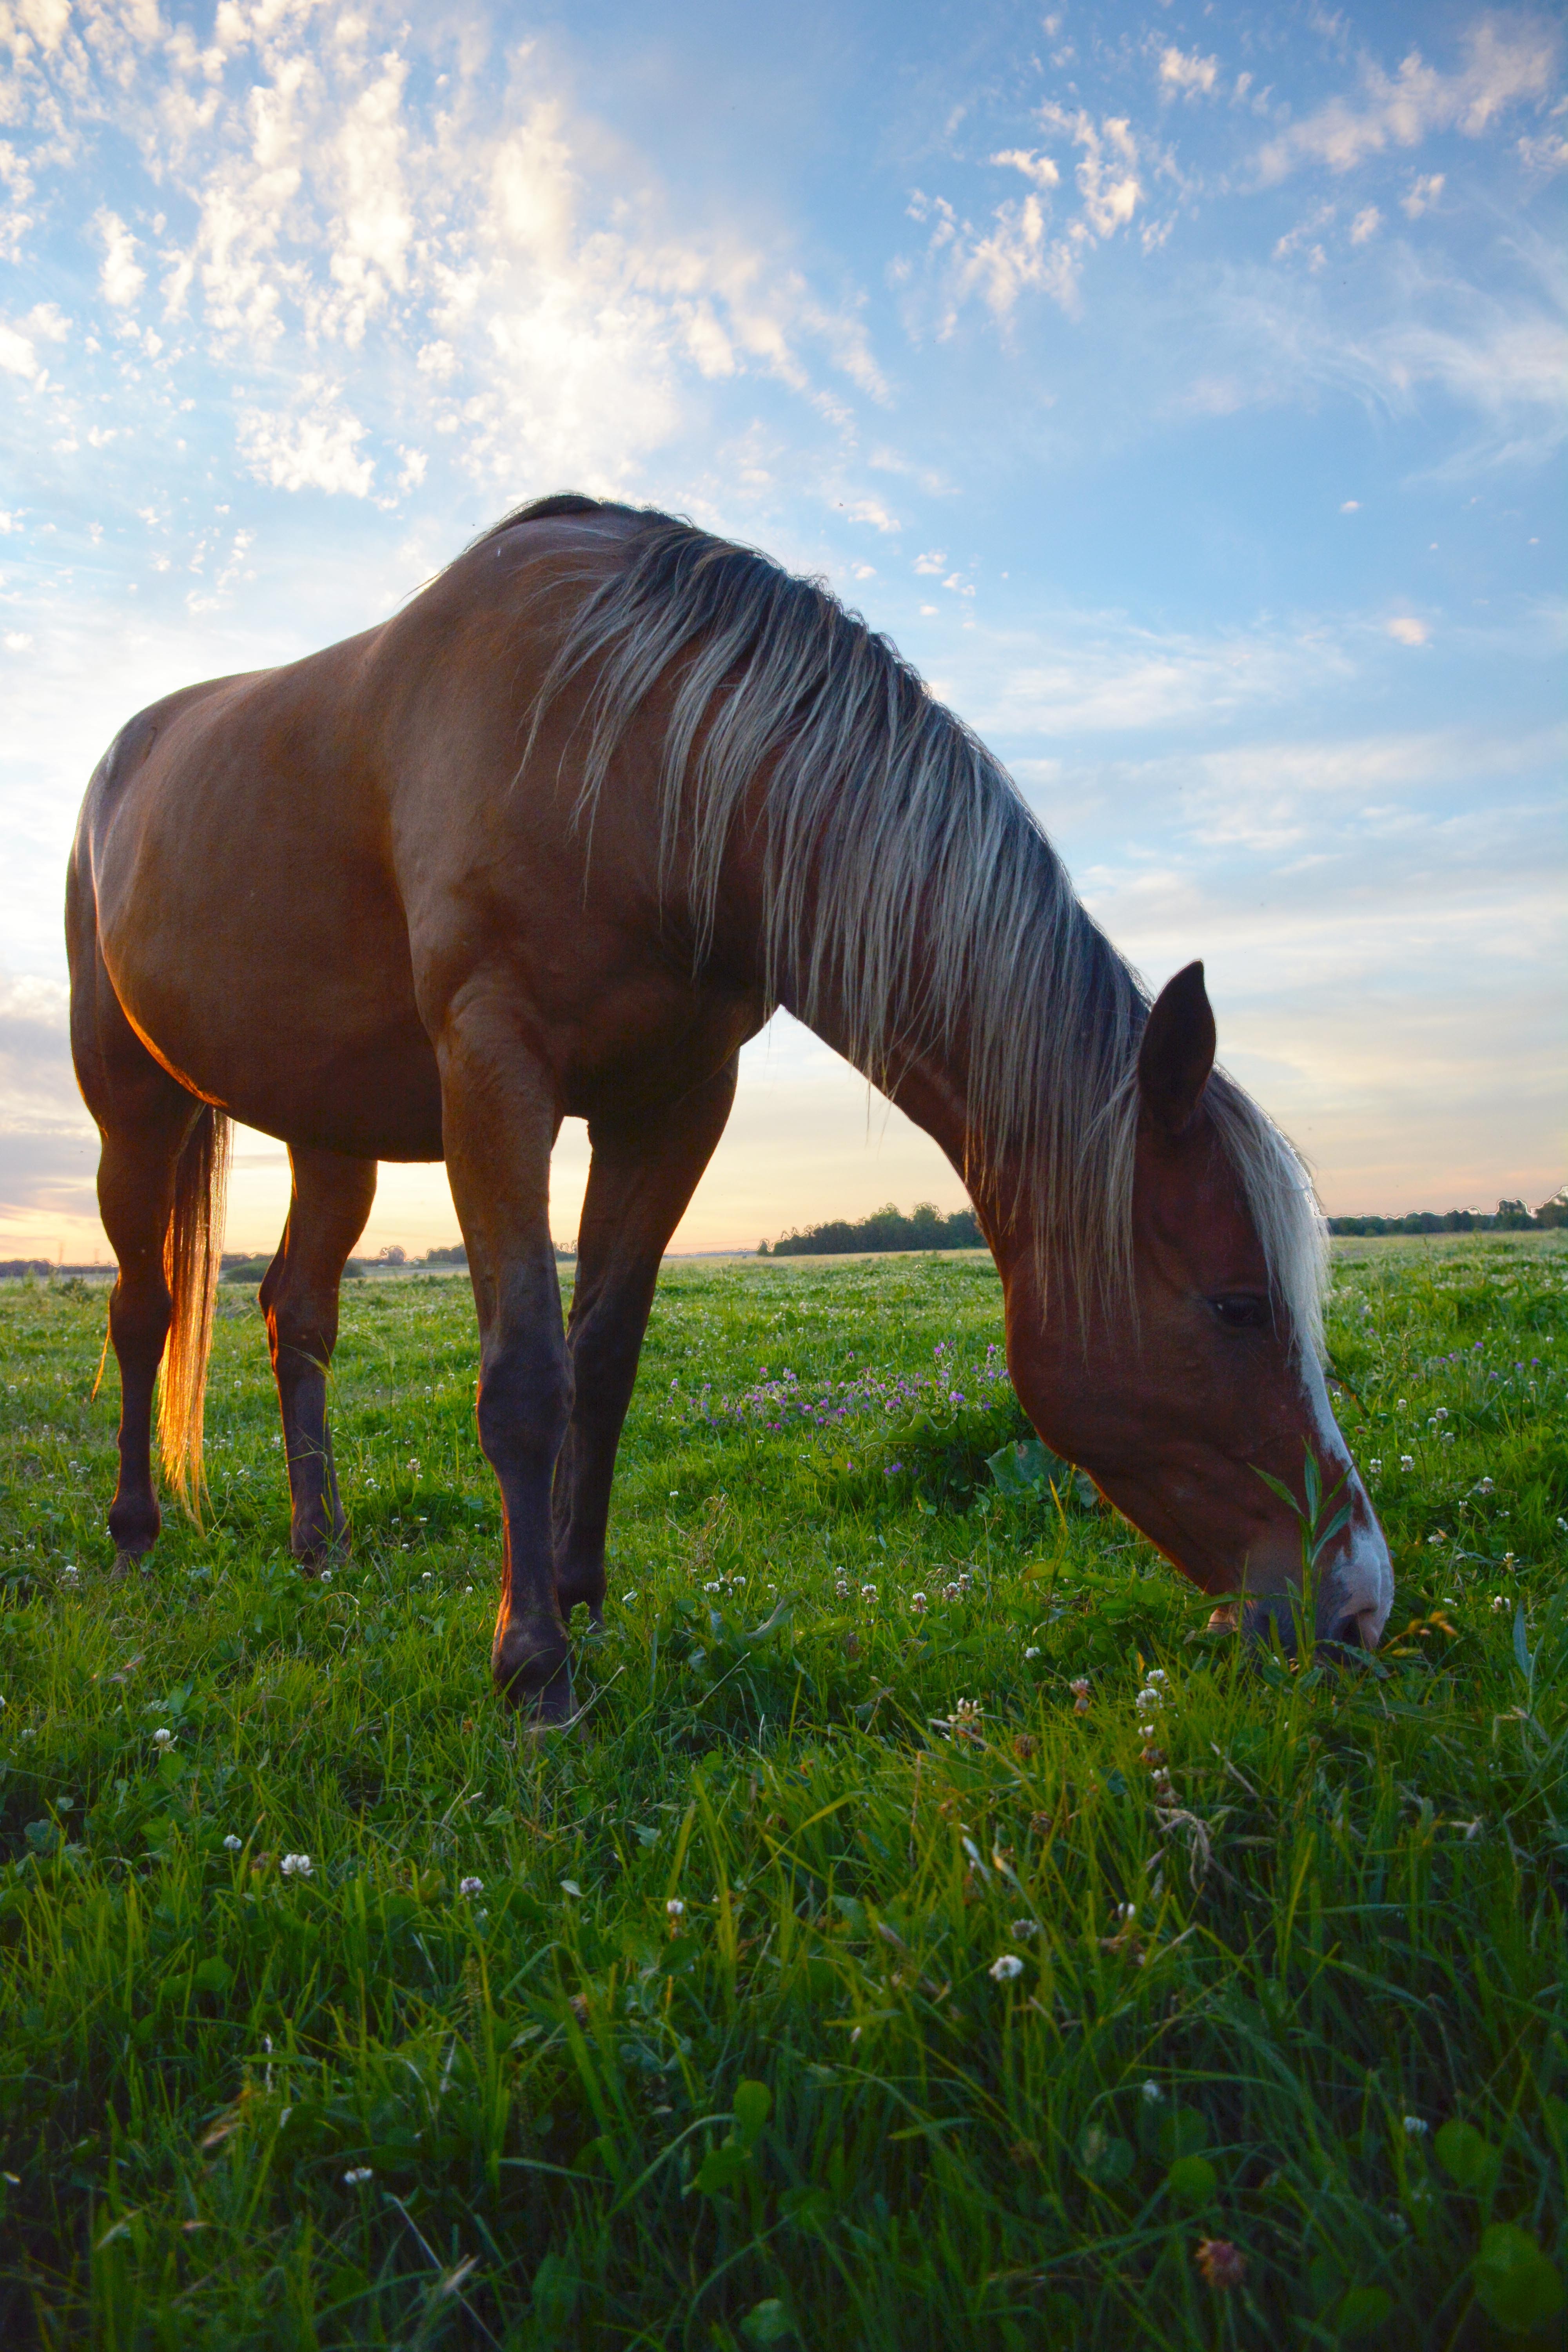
pixel 1182 389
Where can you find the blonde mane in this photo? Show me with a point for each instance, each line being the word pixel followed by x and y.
pixel 887 821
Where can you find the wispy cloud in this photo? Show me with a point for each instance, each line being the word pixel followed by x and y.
pixel 1507 63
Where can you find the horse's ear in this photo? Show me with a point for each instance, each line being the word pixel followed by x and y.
pixel 1177 1051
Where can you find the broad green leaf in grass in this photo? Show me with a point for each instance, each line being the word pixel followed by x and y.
pixel 1361 2311
pixel 721 2167
pixel 753 2103
pixel 1181 2133
pixel 1467 2156
pixel 767 2323
pixel 1104 2158
pixel 1192 2180
pixel 1516 2283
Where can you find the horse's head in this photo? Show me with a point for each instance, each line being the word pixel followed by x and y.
pixel 1190 1412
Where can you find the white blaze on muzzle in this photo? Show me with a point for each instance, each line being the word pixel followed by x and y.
pixel 1356 1576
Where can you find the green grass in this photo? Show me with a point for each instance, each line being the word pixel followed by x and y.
pixel 361 2107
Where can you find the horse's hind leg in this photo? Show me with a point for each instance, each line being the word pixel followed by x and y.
pixel 329 1202
pixel 641 1180
pixel 144 1120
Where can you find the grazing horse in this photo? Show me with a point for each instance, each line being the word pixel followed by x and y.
pixel 554 842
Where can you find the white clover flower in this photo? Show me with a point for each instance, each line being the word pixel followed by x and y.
pixel 1156 1675
pixel 1416 2127
pixel 470 1886
pixel 1374 1466
pixel 297 1865
pixel 231 1844
pixel 1407 1462
pixel 1404 1405
pixel 1023 1929
pixel 1128 1911
pixel 356 2175
pixel 326 1576
pixel 1006 1967
pixel 674 1908
pixel 1500 1600
pixel 868 1593
pixel 1152 2093
pixel 161 1738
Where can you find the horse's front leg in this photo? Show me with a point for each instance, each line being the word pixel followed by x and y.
pixel 641 1180
pixel 329 1202
pixel 499 1126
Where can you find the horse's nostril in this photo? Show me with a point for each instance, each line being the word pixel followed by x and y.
pixel 1347 1635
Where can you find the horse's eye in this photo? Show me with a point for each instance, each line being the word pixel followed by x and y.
pixel 1242 1310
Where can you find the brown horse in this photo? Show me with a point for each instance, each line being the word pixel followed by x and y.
pixel 553 842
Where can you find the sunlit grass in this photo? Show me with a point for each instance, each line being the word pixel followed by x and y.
pixel 853 1976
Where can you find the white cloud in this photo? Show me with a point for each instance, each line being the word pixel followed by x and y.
pixel 1108 175
pixel 1365 226
pixel 1407 630
pixel 1505 64
pixel 1350 506
pixel 1017 254
pixel 1546 154
pixel 17 356
pixel 313 444
pixel 1037 168
pixel 1422 195
pixel 1189 75
pixel 872 512
pixel 121 278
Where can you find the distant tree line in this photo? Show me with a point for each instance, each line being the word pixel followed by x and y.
pixel 1510 1217
pixel 925 1228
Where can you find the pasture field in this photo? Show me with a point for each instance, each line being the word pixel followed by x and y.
pixel 875 1967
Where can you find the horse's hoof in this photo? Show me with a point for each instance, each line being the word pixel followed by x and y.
pixel 124 1562
pixel 543 1712
pixel 533 1675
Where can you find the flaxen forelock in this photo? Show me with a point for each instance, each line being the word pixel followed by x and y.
pixel 886 816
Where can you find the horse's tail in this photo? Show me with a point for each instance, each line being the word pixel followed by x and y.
pixel 192 1256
